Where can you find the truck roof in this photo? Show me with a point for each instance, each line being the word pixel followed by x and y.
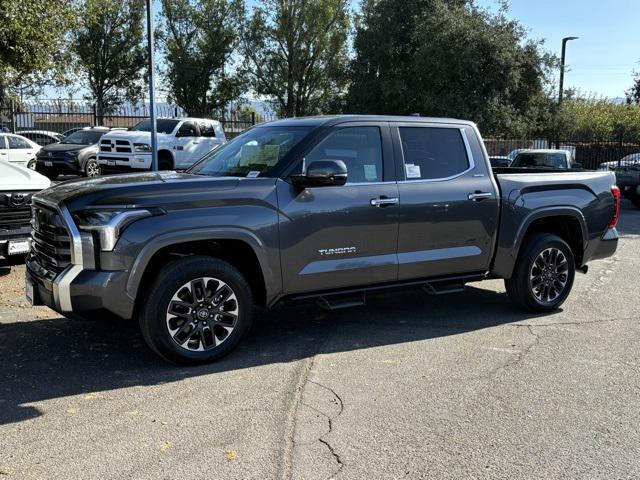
pixel 328 120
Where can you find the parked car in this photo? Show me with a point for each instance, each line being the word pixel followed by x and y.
pixel 66 133
pixel 181 141
pixel 41 137
pixel 18 150
pixel 499 161
pixel 76 154
pixel 552 159
pixel 17 185
pixel 626 161
pixel 326 208
pixel 628 177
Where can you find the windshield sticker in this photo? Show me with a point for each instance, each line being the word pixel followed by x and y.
pixel 253 174
pixel 413 171
pixel 370 173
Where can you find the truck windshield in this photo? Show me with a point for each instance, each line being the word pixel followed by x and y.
pixel 540 160
pixel 251 154
pixel 163 125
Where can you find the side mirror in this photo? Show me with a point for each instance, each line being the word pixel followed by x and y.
pixel 322 173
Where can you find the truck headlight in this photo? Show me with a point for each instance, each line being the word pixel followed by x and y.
pixel 109 224
pixel 142 147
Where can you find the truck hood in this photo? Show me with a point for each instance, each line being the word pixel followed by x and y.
pixel 14 177
pixel 132 135
pixel 151 189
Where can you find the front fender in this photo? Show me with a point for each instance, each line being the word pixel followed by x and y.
pixel 271 278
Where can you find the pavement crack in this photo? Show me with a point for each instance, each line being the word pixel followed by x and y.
pixel 292 414
pixel 330 420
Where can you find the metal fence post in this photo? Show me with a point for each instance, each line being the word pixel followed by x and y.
pixel 13 116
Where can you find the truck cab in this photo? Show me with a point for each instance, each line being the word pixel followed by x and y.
pixel 181 142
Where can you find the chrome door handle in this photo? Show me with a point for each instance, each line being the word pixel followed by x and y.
pixel 474 197
pixel 383 202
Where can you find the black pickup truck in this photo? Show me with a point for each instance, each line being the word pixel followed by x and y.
pixel 324 208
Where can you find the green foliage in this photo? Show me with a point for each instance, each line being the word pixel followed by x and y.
pixel 633 94
pixel 32 35
pixel 296 54
pixel 596 119
pixel 199 38
pixel 108 44
pixel 449 58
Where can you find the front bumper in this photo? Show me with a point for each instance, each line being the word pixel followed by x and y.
pixel 11 235
pixel 84 293
pixel 58 165
pixel 115 163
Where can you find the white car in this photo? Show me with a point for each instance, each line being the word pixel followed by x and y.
pixel 42 137
pixel 18 150
pixel 181 142
pixel 17 185
pixel 626 161
pixel 544 158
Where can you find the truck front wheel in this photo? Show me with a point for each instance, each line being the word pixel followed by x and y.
pixel 196 311
pixel 543 275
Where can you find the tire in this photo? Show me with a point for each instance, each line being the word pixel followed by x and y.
pixel 203 339
pixel 31 165
pixel 92 168
pixel 165 162
pixel 635 199
pixel 527 287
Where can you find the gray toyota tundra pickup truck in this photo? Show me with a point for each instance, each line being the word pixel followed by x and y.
pixel 326 208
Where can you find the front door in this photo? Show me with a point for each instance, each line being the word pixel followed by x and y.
pixel 337 236
pixel 20 151
pixel 449 202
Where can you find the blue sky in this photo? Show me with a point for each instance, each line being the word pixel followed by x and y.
pixel 608 51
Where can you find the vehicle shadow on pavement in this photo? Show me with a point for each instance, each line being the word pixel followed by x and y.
pixel 45 359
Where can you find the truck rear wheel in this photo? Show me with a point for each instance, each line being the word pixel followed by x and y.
pixel 197 310
pixel 543 275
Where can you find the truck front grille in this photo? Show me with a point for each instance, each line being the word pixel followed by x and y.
pixel 110 145
pixel 51 242
pixel 15 210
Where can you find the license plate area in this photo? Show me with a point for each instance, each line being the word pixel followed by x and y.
pixel 48 164
pixel 17 247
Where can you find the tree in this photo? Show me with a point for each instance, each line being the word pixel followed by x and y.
pixel 199 38
pixel 449 58
pixel 32 35
pixel 296 54
pixel 633 94
pixel 109 50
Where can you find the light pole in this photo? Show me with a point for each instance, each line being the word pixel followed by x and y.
pixel 152 88
pixel 564 49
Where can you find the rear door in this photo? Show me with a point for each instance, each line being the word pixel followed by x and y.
pixel 4 150
pixel 337 236
pixel 449 201
pixel 186 143
pixel 208 140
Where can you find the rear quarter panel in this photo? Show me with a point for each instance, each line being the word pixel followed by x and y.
pixel 527 197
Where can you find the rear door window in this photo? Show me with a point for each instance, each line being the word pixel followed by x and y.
pixel 207 129
pixel 432 153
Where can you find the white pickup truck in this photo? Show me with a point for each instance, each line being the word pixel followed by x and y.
pixel 181 142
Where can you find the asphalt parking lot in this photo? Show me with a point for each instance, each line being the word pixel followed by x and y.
pixel 410 386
